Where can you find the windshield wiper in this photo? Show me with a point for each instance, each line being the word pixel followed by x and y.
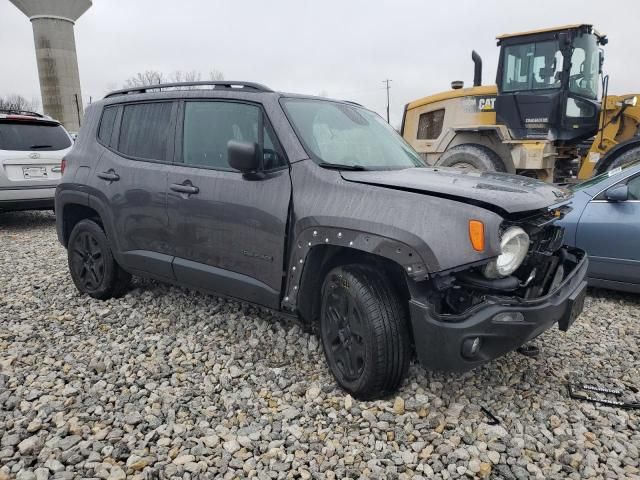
pixel 339 166
pixel 34 147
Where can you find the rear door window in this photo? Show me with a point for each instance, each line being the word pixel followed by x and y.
pixel 26 136
pixel 145 130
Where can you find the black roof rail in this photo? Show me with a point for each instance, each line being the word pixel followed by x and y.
pixel 353 103
pixel 11 111
pixel 215 84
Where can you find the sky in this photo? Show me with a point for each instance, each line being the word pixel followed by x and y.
pixel 342 49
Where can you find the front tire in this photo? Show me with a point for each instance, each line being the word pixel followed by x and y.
pixel 363 325
pixel 472 157
pixel 93 269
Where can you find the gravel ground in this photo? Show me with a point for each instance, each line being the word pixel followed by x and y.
pixel 166 382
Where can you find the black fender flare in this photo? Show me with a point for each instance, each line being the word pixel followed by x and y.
pixel 616 151
pixel 99 205
pixel 63 198
pixel 398 252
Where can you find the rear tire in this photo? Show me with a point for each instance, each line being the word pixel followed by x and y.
pixel 627 157
pixel 472 157
pixel 93 269
pixel 364 331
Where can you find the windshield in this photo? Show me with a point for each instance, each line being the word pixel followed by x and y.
pixel 25 136
pixel 603 176
pixel 532 66
pixel 585 66
pixel 336 133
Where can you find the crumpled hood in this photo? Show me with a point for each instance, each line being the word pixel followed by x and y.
pixel 496 191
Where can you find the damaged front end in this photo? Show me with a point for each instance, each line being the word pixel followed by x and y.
pixel 469 316
pixel 545 266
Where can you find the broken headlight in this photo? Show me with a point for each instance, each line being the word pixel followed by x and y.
pixel 514 246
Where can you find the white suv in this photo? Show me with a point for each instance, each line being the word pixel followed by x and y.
pixel 32 147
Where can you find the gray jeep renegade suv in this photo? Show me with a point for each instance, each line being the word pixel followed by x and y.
pixel 318 209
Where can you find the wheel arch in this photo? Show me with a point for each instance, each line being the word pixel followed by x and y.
pixel 317 250
pixel 608 158
pixel 72 214
pixel 323 258
pixel 76 206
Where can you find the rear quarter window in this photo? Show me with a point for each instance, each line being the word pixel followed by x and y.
pixel 27 136
pixel 107 122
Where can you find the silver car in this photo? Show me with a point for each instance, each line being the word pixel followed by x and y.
pixel 32 147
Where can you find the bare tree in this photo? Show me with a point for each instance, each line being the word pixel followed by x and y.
pixel 154 77
pixel 18 102
pixel 141 79
pixel 180 76
pixel 216 75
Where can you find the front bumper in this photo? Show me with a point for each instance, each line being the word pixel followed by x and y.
pixel 440 339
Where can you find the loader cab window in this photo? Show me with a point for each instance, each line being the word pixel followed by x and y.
pixel 532 66
pixel 585 67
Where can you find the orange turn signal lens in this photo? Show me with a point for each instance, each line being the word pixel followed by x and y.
pixel 476 235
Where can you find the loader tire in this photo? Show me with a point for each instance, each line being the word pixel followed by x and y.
pixel 472 157
pixel 627 157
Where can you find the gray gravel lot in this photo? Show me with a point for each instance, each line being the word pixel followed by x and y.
pixel 167 382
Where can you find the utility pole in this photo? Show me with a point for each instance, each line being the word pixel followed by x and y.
pixel 388 87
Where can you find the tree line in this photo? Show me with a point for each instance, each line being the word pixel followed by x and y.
pixel 16 102
pixel 155 77
pixel 19 103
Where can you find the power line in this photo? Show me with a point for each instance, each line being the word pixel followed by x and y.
pixel 388 87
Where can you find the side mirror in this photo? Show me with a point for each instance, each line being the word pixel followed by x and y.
pixel 243 156
pixel 617 193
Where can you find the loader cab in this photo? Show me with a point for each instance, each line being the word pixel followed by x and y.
pixel 548 83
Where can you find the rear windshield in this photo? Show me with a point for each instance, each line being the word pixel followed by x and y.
pixel 23 136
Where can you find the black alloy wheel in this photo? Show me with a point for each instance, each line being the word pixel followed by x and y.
pixel 364 331
pixel 87 261
pixel 343 332
pixel 93 268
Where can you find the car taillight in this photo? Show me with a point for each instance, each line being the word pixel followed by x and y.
pixel 63 165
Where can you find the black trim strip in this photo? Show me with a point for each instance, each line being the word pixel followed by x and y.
pixel 31 187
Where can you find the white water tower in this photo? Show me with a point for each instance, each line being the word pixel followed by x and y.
pixel 53 22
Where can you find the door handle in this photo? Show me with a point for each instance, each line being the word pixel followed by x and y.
pixel 184 187
pixel 109 175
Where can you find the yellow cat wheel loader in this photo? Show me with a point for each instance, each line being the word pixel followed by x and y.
pixel 549 115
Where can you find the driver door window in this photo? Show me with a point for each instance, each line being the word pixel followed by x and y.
pixel 208 127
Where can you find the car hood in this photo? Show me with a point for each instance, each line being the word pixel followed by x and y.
pixel 500 192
